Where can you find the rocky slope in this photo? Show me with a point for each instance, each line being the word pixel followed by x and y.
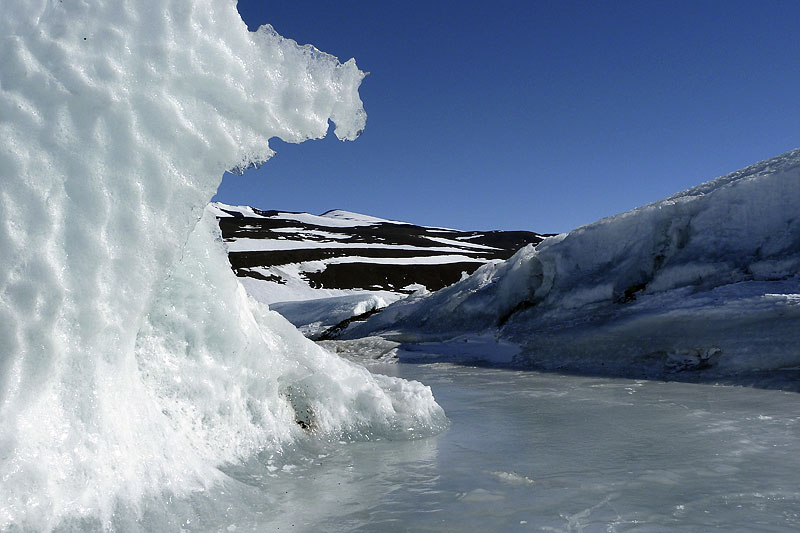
pixel 349 263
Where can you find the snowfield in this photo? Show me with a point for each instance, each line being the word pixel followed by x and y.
pixel 319 270
pixel 706 280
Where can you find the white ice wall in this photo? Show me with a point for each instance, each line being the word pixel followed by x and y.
pixel 117 120
pixel 712 268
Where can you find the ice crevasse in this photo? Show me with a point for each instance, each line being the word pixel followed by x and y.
pixel 132 360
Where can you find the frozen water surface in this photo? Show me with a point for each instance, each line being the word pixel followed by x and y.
pixel 540 452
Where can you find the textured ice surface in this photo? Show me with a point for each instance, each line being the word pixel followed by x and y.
pixel 132 361
pixel 705 279
pixel 364 350
pixel 314 317
pixel 529 451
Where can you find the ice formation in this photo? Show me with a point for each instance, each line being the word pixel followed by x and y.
pixel 314 317
pixel 708 279
pixel 132 361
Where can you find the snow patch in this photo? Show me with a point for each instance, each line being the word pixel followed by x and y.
pixel 340 214
pixel 314 316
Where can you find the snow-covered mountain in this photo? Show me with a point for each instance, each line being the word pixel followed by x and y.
pixel 349 263
pixel 708 279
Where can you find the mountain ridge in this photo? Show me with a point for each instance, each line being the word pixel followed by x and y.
pixel 348 263
pixel 343 250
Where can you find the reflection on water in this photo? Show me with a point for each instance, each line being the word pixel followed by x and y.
pixel 530 451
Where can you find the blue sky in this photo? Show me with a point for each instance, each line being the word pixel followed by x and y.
pixel 535 115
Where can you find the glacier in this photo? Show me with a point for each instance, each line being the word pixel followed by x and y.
pixel 703 283
pixel 133 364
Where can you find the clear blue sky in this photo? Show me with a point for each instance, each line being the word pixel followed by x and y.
pixel 535 115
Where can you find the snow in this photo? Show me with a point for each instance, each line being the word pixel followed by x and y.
pixel 296 288
pixel 134 364
pixel 259 245
pixel 330 221
pixel 314 316
pixel 340 214
pixel 293 288
pixel 707 279
pixel 289 282
pixel 461 243
pixel 424 260
pixel 298 253
pixel 307 233
pixel 225 210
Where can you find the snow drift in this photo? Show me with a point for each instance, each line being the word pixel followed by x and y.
pixel 706 279
pixel 132 361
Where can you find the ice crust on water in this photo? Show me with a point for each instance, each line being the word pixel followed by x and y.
pixel 709 277
pixel 132 361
